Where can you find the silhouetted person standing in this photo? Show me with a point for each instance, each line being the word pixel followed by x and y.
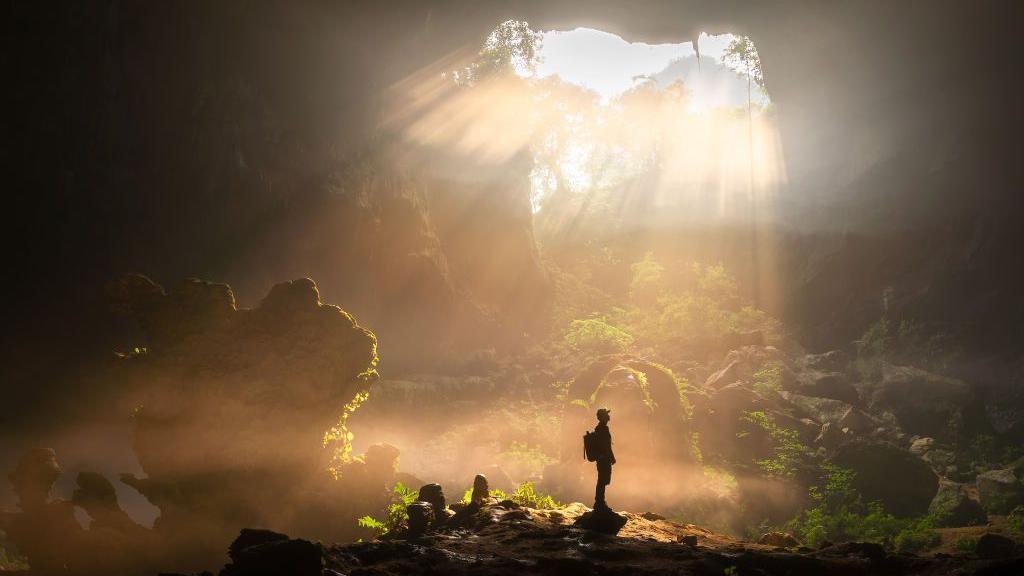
pixel 605 456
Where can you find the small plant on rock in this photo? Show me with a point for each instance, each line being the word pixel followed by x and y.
pixel 525 495
pixel 395 515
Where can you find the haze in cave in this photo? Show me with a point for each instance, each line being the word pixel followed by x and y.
pixel 473 287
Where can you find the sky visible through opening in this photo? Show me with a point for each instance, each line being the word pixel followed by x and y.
pixel 604 62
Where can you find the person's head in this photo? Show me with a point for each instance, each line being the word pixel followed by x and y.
pixel 604 415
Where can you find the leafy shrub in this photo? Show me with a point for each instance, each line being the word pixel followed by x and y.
pixel 790 452
pixel 683 305
pixel 596 336
pixel 768 380
pixel 523 460
pixel 525 495
pixel 395 515
pixel 840 515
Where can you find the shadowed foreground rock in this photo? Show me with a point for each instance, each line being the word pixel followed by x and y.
pixel 518 540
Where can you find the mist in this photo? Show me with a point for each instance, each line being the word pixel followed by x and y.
pixel 285 266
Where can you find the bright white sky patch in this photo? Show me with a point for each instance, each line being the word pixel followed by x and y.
pixel 608 64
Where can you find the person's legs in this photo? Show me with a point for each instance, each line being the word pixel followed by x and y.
pixel 604 477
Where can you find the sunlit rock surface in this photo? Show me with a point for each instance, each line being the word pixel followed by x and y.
pixel 236 404
pixel 529 541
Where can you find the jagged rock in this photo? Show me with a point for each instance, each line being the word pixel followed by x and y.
pixel 780 539
pixel 924 403
pixel 831 436
pixel 253 537
pixel 953 507
pixel 421 514
pixel 940 459
pixel 601 520
pixel 480 490
pixel 902 482
pixel 45 531
pixel 833 385
pixel 1001 490
pixel 820 410
pixel 995 546
pixel 723 377
pixel 235 404
pixel 858 421
pixel 831 361
pixel 271 555
pixel 922 445
pixel 434 494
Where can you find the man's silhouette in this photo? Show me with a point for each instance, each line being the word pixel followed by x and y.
pixel 605 456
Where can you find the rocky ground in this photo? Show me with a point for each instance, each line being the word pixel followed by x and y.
pixel 503 538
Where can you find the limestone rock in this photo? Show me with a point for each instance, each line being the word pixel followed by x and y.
pixel 831 361
pixel 601 520
pixel 925 403
pixel 833 385
pixel 271 556
pixel 1000 491
pixel 480 490
pixel 434 494
pixel 901 481
pixel 953 507
pixel 922 445
pixel 421 514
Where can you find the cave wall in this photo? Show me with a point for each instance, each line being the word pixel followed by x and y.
pixel 204 139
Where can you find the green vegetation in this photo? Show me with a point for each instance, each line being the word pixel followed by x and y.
pixel 340 437
pixel 841 515
pixel 684 306
pixel 596 336
pixel 395 515
pixel 523 460
pixel 510 48
pixel 768 380
pixel 525 495
pixel 790 452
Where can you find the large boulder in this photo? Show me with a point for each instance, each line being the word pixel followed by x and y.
pixel 924 403
pixel 601 520
pixel 833 385
pixel 953 507
pixel 902 482
pixel 1000 491
pixel 818 409
pixel 265 553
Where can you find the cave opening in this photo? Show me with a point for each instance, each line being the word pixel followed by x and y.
pixel 622 129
